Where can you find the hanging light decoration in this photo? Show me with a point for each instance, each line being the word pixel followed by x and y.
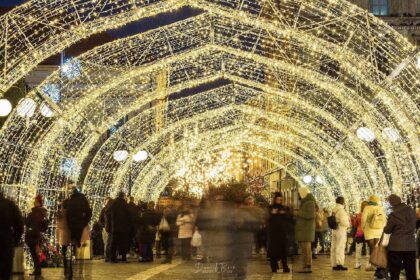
pixel 319 179
pixel 46 111
pixel 391 134
pixel 120 155
pixel 5 107
pixel 365 134
pixel 26 107
pixel 140 156
pixel 307 179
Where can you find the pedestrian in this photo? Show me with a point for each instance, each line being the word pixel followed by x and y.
pixel 401 226
pixel 121 222
pixel 78 215
pixel 321 228
pixel 135 214
pixel 305 227
pixel 168 233
pixel 11 230
pixel 280 223
pixel 359 236
pixel 147 227
pixel 373 223
pixel 106 232
pixel 339 235
pixel 36 223
pixel 63 234
pixel 185 222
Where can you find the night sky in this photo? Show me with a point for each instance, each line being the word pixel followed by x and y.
pixel 8 3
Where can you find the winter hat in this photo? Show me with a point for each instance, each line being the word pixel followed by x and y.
pixel 375 199
pixel 39 199
pixel 277 194
pixel 303 192
pixel 394 200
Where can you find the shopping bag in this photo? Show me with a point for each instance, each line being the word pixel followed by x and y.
pixel 379 255
pixel 385 240
pixel 85 251
pixel 18 261
pixel 196 239
pixel 164 225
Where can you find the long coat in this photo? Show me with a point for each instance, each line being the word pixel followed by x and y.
pixel 305 220
pixel 280 226
pixel 62 230
pixel 402 227
pixel 147 226
pixel 36 223
pixel 119 216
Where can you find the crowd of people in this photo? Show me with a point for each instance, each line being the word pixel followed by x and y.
pixel 218 230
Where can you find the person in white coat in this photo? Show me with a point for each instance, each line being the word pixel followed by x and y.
pixel 339 235
pixel 185 222
pixel 373 223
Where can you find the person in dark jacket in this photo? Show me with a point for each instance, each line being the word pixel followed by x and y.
pixel 135 215
pixel 280 223
pixel 78 214
pixel 11 230
pixel 36 223
pixel 168 235
pixel 119 216
pixel 106 232
pixel 401 225
pixel 148 224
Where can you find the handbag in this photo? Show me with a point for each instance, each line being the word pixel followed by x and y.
pixel 379 255
pixel 164 226
pixel 196 240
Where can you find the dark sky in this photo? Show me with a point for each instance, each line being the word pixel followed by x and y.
pixel 8 3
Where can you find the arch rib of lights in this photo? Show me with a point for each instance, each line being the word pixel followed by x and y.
pixel 288 56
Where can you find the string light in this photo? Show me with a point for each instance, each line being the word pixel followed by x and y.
pixel 296 98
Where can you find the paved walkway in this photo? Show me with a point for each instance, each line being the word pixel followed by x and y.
pixel 258 269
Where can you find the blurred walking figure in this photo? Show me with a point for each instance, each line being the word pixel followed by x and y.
pixel 148 224
pixel 359 236
pixel 63 234
pixel 36 224
pixel 120 221
pixel 280 223
pixel 339 235
pixel 185 222
pixel 305 227
pixel 401 226
pixel 106 231
pixel 11 230
pixel 78 214
pixel 321 228
pixel 373 223
pixel 168 230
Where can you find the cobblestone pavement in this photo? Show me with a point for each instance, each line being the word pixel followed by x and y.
pixel 258 269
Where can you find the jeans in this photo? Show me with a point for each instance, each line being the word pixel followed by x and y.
pixel 147 251
pixel 35 258
pixel 319 237
pixel 399 260
pixel 186 248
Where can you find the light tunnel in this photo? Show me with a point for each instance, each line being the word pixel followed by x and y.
pixel 322 83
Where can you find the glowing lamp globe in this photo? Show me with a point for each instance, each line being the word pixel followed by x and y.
pixel 120 155
pixel 319 179
pixel 140 156
pixel 365 134
pixel 26 107
pixel 5 107
pixel 46 111
pixel 391 134
pixel 307 179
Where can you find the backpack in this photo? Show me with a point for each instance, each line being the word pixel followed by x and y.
pixel 378 220
pixel 332 221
